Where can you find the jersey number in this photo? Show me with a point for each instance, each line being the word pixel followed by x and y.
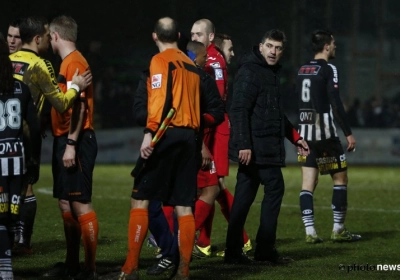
pixel 305 90
pixel 10 114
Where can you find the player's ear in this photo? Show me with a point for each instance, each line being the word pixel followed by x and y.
pixel 154 36
pixel 179 35
pixel 211 37
pixel 37 39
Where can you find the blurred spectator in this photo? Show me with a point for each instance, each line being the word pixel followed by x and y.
pixel 355 114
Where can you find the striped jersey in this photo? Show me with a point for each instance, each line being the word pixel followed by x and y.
pixel 13 110
pixel 320 106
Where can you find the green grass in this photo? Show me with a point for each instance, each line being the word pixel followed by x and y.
pixel 373 212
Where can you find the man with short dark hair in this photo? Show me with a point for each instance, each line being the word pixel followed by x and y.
pixel 174 83
pixel 224 43
pixel 13 38
pixel 258 129
pixel 38 74
pixel 320 104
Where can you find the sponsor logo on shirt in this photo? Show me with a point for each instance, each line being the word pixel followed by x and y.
pixel 335 73
pixel 215 65
pixel 309 70
pixel 156 81
pixel 219 75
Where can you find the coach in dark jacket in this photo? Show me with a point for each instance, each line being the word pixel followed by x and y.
pixel 258 129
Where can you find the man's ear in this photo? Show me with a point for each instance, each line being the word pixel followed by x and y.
pixel 37 39
pixel 154 36
pixel 179 35
pixel 211 37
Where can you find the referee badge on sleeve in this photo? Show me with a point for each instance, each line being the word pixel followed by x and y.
pixel 156 81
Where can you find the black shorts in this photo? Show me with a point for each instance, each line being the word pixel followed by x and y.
pixel 170 174
pixel 326 155
pixel 10 197
pixel 75 183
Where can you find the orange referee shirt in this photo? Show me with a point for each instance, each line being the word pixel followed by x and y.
pixel 61 122
pixel 174 82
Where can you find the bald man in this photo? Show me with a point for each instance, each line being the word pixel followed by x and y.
pixel 203 31
pixel 174 157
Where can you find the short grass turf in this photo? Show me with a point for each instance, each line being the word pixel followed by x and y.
pixel 373 212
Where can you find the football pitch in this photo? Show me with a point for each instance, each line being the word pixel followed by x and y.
pixel 373 212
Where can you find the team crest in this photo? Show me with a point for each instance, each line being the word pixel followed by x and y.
pixel 215 65
pixel 156 81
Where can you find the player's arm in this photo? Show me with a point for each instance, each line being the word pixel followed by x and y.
pixel 157 93
pixel 211 105
pixel 337 107
pixel 77 117
pixel 243 101
pixel 52 92
pixel 140 99
pixel 334 99
pixel 31 137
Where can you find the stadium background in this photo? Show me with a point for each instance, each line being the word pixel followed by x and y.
pixel 115 36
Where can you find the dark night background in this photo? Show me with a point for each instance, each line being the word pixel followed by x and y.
pixel 115 37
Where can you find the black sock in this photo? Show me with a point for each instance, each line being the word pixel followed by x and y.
pixel 27 215
pixel 5 254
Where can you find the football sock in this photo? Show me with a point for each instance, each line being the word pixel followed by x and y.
pixel 27 216
pixel 204 239
pixel 186 242
pixel 90 231
pixel 5 254
pixel 169 215
pixel 72 231
pixel 202 210
pixel 339 206
pixel 225 199
pixel 307 211
pixel 137 231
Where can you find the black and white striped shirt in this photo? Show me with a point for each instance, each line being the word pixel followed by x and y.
pixel 320 105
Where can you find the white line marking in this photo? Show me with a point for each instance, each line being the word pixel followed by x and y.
pixel 127 197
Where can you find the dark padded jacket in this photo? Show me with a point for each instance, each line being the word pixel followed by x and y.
pixel 257 118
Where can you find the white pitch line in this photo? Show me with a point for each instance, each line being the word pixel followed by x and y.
pixel 349 208
pixel 379 210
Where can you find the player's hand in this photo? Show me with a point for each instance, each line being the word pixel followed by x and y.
pixel 146 149
pixel 206 157
pixel 69 156
pixel 302 148
pixel 245 156
pixel 82 81
pixel 351 143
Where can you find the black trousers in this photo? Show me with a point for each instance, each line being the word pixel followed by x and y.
pixel 248 180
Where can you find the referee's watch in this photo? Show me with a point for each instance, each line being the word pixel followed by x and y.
pixel 71 142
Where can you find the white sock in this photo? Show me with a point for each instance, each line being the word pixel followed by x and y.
pixel 338 227
pixel 311 231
